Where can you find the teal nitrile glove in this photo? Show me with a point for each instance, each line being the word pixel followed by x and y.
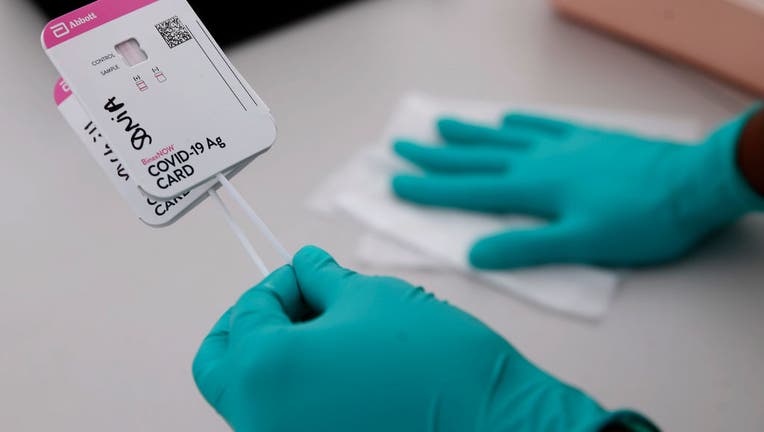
pixel 378 354
pixel 611 198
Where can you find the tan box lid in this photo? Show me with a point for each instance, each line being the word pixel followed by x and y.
pixel 725 37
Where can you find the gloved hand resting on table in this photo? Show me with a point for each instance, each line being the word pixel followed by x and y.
pixel 611 198
pixel 316 347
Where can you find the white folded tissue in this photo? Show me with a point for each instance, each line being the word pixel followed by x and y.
pixel 403 235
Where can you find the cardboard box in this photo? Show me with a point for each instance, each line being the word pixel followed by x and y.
pixel 724 37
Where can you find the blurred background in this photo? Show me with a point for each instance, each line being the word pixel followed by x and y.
pixel 221 17
pixel 100 315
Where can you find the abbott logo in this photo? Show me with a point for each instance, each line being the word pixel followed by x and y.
pixel 60 29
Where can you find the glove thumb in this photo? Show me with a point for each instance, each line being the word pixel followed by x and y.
pixel 555 243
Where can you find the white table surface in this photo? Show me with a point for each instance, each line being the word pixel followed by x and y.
pixel 100 316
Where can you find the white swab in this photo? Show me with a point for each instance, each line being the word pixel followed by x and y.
pixel 239 233
pixel 254 218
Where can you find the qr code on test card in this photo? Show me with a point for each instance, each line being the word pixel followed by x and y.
pixel 173 31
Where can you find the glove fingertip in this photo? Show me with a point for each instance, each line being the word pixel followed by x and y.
pixel 278 275
pixel 407 149
pixel 512 116
pixel 448 125
pixel 500 251
pixel 447 121
pixel 403 144
pixel 310 256
pixel 482 255
pixel 402 184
